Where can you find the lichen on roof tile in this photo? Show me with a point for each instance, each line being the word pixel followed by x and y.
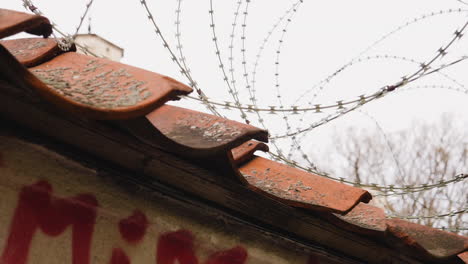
pixel 362 219
pixel 107 86
pixel 427 240
pixel 32 51
pixel 301 189
pixel 202 131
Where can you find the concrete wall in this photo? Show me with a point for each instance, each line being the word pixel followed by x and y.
pixel 55 211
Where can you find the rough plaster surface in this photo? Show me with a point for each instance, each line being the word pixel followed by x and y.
pixel 23 164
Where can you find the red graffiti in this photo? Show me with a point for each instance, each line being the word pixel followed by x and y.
pixel 237 255
pixel 176 246
pixel 134 227
pixel 37 209
pixel 119 257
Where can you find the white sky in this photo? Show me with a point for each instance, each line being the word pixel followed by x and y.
pixel 323 35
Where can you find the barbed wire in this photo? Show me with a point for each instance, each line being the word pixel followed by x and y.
pixel 82 17
pixel 184 72
pixel 387 143
pixel 295 145
pixel 251 85
pixel 392 190
pixel 373 45
pixel 454 230
pixel 386 190
pixel 318 107
pixel 363 99
pixel 281 40
pixel 358 59
pixel 230 83
pixel 340 108
pixel 231 50
pixel 462 89
pixel 68 40
pixel 449 214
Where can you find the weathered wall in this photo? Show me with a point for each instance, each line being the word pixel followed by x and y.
pixel 53 210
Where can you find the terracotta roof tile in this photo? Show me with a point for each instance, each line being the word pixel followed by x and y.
pixel 13 72
pixel 202 131
pixel 425 241
pixel 33 51
pixel 191 133
pixel 102 89
pixel 301 189
pixel 464 256
pixel 96 88
pixel 245 152
pixel 363 219
pixel 12 22
pixel 203 138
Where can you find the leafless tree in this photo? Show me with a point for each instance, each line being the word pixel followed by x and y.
pixel 426 154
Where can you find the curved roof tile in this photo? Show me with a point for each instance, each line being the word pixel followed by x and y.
pixel 425 241
pixel 33 51
pixel 102 89
pixel 202 131
pixel 363 219
pixel 203 138
pixel 12 22
pixel 301 189
pixel 464 256
pixel 245 152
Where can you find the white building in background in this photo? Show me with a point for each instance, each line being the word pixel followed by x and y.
pixel 99 46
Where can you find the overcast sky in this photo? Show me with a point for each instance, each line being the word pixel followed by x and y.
pixel 320 37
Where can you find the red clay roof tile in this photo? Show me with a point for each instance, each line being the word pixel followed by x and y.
pixel 12 22
pixel 14 73
pixel 245 152
pixel 425 241
pixel 96 88
pixel 464 256
pixel 205 139
pixel 301 189
pixel 203 131
pixel 33 51
pixel 103 89
pixel 363 219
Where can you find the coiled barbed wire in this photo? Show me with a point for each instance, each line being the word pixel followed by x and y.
pixel 296 109
pixel 231 88
pixel 296 143
pixel 437 216
pixel 192 82
pixel 318 108
pixel 354 104
pixel 68 40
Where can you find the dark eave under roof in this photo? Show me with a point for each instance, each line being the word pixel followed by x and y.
pixel 38 81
